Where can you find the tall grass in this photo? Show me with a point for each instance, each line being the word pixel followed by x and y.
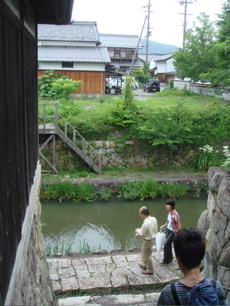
pixel 141 189
pixel 66 190
pixel 63 248
pixel 150 188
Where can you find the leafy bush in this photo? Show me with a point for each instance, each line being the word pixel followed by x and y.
pixel 86 192
pixel 173 190
pixel 180 126
pixel 129 190
pixel 45 84
pixel 64 86
pixel 125 108
pixel 55 86
pixel 226 163
pixel 150 188
pixel 205 158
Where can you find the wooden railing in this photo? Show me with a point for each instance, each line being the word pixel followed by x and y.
pixel 50 125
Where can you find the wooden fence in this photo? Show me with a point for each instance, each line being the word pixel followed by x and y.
pixel 18 135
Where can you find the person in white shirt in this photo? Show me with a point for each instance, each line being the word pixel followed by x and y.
pixel 148 232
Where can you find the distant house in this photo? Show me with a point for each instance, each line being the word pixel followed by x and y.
pixel 121 50
pixel 74 50
pixel 161 66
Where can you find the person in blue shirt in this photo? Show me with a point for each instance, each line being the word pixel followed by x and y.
pixel 189 246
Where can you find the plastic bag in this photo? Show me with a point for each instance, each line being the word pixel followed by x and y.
pixel 160 240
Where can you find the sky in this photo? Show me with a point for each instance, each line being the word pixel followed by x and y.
pixel 127 16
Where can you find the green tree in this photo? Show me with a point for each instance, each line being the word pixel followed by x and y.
pixel 123 114
pixel 141 73
pixel 220 75
pixel 197 57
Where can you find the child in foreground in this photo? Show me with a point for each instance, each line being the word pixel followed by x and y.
pixel 193 288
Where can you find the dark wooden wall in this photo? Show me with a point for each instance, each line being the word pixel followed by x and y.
pixel 93 81
pixel 18 134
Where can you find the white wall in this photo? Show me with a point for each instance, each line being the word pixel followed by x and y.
pixel 161 67
pixel 169 65
pixel 200 89
pixel 77 66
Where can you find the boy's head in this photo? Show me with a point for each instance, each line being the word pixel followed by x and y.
pixel 189 246
pixel 171 202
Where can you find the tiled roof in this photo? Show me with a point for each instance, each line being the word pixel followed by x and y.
pixel 118 40
pixel 80 31
pixel 162 57
pixel 73 54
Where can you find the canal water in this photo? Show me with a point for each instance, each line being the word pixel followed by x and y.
pixel 107 225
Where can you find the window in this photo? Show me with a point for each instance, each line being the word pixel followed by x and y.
pixel 67 64
pixel 126 54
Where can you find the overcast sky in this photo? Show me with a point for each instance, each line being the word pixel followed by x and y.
pixel 127 16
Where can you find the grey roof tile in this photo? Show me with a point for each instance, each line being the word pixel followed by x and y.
pixel 80 31
pixel 73 54
pixel 162 57
pixel 119 40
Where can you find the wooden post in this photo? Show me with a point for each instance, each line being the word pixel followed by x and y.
pixel 91 157
pixel 99 165
pixel 74 138
pixel 56 117
pixel 83 148
pixel 65 130
pixel 54 151
pixel 44 118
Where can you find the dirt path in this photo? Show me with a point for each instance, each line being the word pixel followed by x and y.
pixel 113 181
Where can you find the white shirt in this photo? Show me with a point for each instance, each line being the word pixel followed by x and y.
pixel 169 225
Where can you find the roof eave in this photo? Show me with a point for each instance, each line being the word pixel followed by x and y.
pixel 53 11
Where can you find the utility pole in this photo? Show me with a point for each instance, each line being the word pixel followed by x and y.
pixel 185 3
pixel 147 42
pixel 134 57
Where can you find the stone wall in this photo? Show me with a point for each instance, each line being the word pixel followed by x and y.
pixel 30 282
pixel 202 89
pixel 215 224
pixel 129 154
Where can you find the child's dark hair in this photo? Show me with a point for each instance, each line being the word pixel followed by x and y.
pixel 189 246
pixel 171 202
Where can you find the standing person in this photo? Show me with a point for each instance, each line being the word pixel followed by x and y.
pixel 148 232
pixel 193 288
pixel 173 227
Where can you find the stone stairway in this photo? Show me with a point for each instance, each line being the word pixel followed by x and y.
pixel 112 279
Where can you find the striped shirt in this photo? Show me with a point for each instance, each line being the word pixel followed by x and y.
pixel 175 218
pixel 183 291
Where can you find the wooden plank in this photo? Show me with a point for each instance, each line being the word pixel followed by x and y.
pixel 93 81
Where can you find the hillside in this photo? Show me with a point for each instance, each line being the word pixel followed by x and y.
pixel 156 47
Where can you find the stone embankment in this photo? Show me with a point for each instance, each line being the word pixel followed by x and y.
pixel 109 279
pixel 215 224
pixel 113 181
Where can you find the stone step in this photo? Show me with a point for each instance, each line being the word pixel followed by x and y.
pixel 98 276
pixel 113 299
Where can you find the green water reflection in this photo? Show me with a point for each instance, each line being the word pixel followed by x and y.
pixel 109 225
